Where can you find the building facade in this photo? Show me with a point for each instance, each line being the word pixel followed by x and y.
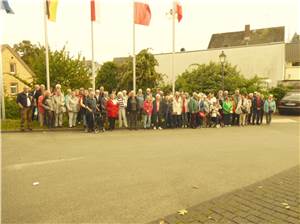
pixel 16 74
pixel 261 52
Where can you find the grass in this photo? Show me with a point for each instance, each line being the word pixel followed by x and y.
pixel 14 124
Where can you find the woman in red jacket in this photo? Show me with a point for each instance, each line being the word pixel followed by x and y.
pixel 112 111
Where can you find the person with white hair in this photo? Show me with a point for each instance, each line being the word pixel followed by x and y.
pixel 48 106
pixel 59 106
pixel 157 113
pixel 241 110
pixel 122 111
pixel 72 105
pixel 147 107
pixel 177 110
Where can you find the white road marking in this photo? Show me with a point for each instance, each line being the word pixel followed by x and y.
pixel 24 165
pixel 283 120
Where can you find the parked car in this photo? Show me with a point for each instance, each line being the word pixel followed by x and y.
pixel 290 104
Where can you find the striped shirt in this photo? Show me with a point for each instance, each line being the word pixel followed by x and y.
pixel 121 102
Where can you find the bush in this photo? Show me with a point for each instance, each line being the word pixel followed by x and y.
pixel 279 91
pixel 12 110
pixel 207 78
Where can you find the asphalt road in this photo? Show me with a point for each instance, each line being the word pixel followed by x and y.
pixel 135 176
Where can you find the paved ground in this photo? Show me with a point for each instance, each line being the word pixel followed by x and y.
pixel 137 176
pixel 273 200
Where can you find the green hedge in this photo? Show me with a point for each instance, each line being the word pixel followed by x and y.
pixel 12 110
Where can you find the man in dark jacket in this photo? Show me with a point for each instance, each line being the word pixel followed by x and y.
pixel 25 102
pixel 91 109
pixel 257 106
pixel 132 109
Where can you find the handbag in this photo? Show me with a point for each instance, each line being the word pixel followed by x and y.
pixel 244 110
pixel 202 114
pixel 63 109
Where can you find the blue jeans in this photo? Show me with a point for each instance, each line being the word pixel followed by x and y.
pixel 147 121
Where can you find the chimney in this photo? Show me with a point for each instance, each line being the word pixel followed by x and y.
pixel 247 32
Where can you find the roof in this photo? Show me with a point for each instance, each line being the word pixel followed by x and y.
pixel 292 52
pixel 120 60
pixel 258 36
pixel 17 56
pixel 296 38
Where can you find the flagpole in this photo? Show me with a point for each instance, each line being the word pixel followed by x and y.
pixel 46 45
pixel 93 64
pixel 173 45
pixel 133 50
pixel 2 87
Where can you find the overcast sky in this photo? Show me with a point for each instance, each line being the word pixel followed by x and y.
pixel 113 36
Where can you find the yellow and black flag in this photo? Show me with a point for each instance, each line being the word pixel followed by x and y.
pixel 51 9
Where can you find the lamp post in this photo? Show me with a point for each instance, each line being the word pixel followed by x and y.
pixel 222 58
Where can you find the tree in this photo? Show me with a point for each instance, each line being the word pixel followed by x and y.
pixel 208 78
pixel 68 71
pixel 108 76
pixel 146 75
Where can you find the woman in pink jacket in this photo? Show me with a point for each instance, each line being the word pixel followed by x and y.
pixel 148 107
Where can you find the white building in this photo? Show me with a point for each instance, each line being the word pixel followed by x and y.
pixel 261 52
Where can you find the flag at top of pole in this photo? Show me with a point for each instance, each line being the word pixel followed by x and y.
pixel 51 9
pixel 142 13
pixel 95 11
pixel 95 17
pixel 6 7
pixel 179 11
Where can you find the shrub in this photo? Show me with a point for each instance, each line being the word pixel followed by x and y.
pixel 12 110
pixel 279 91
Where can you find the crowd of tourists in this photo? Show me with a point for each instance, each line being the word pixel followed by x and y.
pixel 101 110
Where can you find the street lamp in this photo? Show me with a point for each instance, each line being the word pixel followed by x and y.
pixel 222 58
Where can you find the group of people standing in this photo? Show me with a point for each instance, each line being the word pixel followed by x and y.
pixel 100 110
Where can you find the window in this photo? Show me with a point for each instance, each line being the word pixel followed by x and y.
pixel 12 68
pixel 296 64
pixel 14 88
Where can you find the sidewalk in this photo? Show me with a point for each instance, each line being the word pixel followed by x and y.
pixel 276 120
pixel 273 200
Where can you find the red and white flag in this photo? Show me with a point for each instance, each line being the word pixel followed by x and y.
pixel 95 11
pixel 142 13
pixel 179 11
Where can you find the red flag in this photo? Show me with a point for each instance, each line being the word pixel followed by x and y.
pixel 179 12
pixel 95 11
pixel 142 14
